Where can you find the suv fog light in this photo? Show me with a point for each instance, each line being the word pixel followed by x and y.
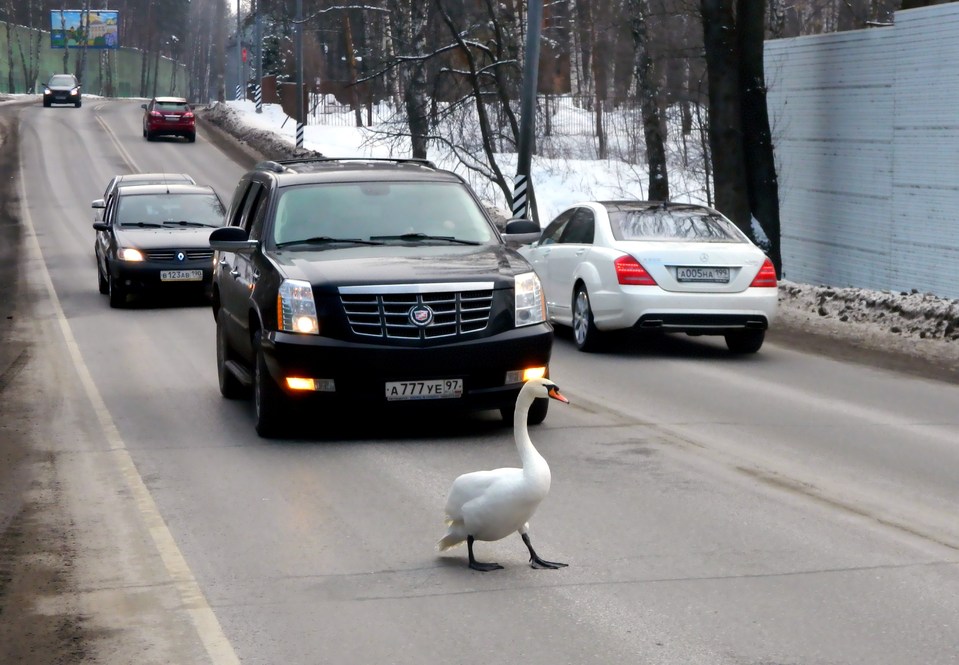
pixel 524 375
pixel 314 385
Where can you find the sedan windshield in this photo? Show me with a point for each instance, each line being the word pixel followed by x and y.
pixel 690 224
pixel 170 210
pixel 382 212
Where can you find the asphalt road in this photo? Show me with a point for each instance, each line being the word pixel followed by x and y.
pixel 786 508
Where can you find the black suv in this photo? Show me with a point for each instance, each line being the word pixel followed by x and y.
pixel 377 282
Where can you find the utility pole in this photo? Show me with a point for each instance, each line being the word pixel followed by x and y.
pixel 300 120
pixel 258 57
pixel 522 187
pixel 239 56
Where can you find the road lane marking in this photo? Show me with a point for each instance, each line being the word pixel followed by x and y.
pixel 204 620
pixel 113 137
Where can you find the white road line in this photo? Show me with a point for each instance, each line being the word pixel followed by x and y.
pixel 113 137
pixel 204 620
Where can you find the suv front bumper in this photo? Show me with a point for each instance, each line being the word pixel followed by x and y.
pixel 360 372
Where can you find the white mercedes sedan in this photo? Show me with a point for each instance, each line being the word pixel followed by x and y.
pixel 674 267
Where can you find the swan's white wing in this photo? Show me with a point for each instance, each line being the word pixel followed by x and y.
pixel 470 486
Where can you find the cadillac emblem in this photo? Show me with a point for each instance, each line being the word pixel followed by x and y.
pixel 421 315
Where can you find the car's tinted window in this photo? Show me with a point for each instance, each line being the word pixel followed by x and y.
pixel 178 107
pixel 580 228
pixel 673 224
pixel 365 210
pixel 555 228
pixel 159 208
pixel 62 80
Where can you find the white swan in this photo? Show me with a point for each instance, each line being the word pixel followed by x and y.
pixel 490 505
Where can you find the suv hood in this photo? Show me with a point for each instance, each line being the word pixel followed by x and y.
pixel 393 264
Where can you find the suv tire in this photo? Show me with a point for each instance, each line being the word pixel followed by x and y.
pixel 269 402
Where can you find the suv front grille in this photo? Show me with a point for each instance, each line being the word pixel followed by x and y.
pixel 385 311
pixel 170 254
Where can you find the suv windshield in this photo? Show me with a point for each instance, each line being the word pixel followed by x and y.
pixel 170 210
pixel 381 211
pixel 62 80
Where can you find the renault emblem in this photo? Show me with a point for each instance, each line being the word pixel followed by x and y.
pixel 421 315
pixel 180 256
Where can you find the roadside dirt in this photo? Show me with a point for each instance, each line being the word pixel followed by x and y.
pixel 36 538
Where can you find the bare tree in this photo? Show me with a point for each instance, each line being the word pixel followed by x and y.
pixel 648 92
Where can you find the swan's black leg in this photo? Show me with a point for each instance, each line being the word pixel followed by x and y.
pixel 476 565
pixel 534 559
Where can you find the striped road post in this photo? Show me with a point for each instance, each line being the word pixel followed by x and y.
pixel 239 92
pixel 258 97
pixel 520 182
pixel 299 134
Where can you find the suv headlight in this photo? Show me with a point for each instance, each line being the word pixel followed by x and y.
pixel 530 305
pixel 295 309
pixel 129 254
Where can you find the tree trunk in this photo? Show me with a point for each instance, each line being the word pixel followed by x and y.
pixel 762 181
pixel 649 98
pixel 417 99
pixel 6 27
pixel 725 114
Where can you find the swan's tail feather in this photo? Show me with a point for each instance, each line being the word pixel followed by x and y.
pixel 448 541
pixel 454 535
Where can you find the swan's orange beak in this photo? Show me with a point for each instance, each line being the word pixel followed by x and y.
pixel 556 394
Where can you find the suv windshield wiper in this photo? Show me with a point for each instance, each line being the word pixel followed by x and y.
pixel 415 237
pixel 184 222
pixel 327 240
pixel 142 225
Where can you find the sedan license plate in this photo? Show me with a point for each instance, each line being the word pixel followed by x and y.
pixel 700 274
pixel 181 275
pixel 416 390
pixel 171 118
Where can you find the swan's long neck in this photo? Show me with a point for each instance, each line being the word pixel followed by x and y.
pixel 533 463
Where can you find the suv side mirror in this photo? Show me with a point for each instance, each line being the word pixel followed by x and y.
pixel 143 106
pixel 231 239
pixel 98 203
pixel 519 231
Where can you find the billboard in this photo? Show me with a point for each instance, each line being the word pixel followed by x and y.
pixel 67 28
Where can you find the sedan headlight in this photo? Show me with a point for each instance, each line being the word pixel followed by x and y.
pixel 295 309
pixel 129 254
pixel 530 303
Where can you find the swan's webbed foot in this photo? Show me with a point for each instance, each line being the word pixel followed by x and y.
pixel 476 565
pixel 536 562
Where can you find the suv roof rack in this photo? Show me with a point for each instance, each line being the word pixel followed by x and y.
pixel 281 165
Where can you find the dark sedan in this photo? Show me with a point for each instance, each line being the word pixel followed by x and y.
pixel 156 237
pixel 62 89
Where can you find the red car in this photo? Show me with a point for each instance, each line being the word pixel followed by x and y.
pixel 168 116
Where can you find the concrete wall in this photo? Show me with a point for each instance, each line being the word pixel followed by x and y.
pixel 866 132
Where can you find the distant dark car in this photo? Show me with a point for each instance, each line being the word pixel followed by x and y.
pixel 156 236
pixel 137 179
pixel 62 89
pixel 168 116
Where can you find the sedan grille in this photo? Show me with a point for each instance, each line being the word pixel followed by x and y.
pixel 169 255
pixel 390 315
